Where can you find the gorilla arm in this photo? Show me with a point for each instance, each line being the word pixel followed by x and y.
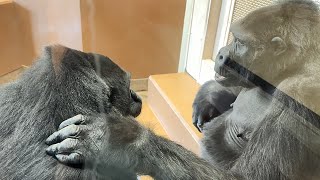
pixel 123 142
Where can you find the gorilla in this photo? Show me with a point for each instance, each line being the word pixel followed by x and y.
pixel 62 83
pixel 245 93
pixel 233 117
pixel 263 110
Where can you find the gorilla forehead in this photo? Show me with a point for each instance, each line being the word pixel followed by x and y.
pixel 103 64
pixel 277 19
pixel 65 59
pixel 256 25
pixel 84 83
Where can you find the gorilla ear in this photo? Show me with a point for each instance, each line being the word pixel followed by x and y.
pixel 278 46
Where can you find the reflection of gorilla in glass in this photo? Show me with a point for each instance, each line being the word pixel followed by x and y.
pixel 62 83
pixel 272 130
pixel 257 65
pixel 231 127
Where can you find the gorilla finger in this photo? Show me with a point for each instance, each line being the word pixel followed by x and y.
pixel 78 119
pixel 62 134
pixel 195 120
pixel 66 146
pixel 200 123
pixel 206 116
pixel 195 115
pixel 73 158
pixel 195 123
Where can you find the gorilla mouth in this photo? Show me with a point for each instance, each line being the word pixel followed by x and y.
pixel 222 74
pixel 231 74
pixel 219 77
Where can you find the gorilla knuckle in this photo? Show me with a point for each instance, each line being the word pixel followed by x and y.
pixel 70 142
pixel 74 128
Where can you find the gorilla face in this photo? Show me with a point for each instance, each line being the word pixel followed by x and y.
pixel 255 51
pixel 119 81
pixel 232 62
pixel 93 82
pixel 227 75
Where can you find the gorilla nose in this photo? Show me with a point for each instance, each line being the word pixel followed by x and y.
pixel 135 97
pixel 223 57
pixel 136 104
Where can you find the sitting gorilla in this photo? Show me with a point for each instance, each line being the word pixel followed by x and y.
pixel 271 132
pixel 61 84
pixel 240 98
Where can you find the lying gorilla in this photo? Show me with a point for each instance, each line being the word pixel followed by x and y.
pixel 61 84
pixel 276 52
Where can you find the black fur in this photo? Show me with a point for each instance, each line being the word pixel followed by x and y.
pixel 61 84
pixel 282 144
pixel 266 134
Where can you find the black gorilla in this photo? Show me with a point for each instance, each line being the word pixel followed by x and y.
pixel 276 53
pixel 61 84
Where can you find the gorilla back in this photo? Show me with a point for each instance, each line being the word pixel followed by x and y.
pixel 61 84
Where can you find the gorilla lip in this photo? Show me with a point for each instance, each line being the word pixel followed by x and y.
pixel 218 77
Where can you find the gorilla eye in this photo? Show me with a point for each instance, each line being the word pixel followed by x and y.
pixel 243 136
pixel 239 42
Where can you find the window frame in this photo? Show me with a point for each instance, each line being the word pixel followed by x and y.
pixel 194 34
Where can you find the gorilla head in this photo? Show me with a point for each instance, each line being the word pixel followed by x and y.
pixel 272 43
pixel 278 47
pixel 92 80
pixel 61 84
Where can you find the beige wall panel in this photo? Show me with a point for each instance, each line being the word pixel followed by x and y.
pixel 142 36
pixel 16 47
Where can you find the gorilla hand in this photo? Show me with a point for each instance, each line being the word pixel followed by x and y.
pixel 211 100
pixel 96 140
pixel 75 138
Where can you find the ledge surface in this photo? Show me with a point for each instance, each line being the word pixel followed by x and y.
pixel 170 97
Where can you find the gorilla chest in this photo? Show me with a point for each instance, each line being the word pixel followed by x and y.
pixel 249 107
